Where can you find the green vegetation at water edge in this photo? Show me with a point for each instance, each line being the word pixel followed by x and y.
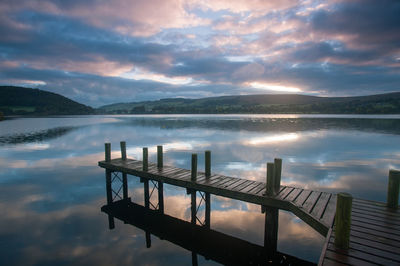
pixel 27 101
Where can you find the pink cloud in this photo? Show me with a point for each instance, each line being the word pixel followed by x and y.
pixel 137 18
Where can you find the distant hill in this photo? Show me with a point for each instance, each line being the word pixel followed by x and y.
pixel 26 101
pixel 388 103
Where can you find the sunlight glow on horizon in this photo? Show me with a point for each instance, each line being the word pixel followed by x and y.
pixel 273 87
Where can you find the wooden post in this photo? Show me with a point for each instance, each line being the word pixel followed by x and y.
pixel 193 206
pixel 194 167
pixel 208 210
pixel 111 224
pixel 159 156
pixel 108 186
pixel 107 147
pixel 393 189
pixel 208 163
pixel 146 193
pixel 194 259
pixel 271 231
pixel 123 150
pixel 148 239
pixel 124 186
pixel 124 175
pixel 145 159
pixel 270 179
pixel 161 196
pixel 343 220
pixel 277 173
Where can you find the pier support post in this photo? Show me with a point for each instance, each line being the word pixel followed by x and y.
pixel 161 196
pixel 193 206
pixel 194 167
pixel 208 210
pixel 194 259
pixel 343 220
pixel 111 224
pixel 277 175
pixel 393 189
pixel 107 148
pixel 270 179
pixel 146 193
pixel 207 166
pixel 124 175
pixel 148 239
pixel 271 231
pixel 123 150
pixel 145 159
pixel 159 156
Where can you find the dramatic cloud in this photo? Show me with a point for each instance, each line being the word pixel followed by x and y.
pixel 100 52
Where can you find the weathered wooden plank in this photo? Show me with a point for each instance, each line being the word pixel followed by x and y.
pixel 168 170
pixel 302 198
pixel 377 207
pixel 284 193
pixel 207 181
pixel 257 188
pixel 377 215
pixel 325 246
pixel 229 183
pixel 362 254
pixel 330 262
pixel 374 232
pixel 380 239
pixel 240 182
pixel 329 214
pixel 216 181
pixel 387 212
pixel 292 196
pixel 251 187
pixel 243 185
pixel 311 201
pixel 187 175
pixel 260 190
pixel 377 228
pixel 374 219
pixel 319 208
pixel 380 223
pixel 377 246
pixel 348 260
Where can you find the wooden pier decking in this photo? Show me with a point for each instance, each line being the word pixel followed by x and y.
pixel 365 232
pixel 374 237
pixel 315 208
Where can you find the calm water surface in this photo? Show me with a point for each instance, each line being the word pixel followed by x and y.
pixel 51 189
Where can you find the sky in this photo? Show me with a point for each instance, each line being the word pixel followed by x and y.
pixel 100 52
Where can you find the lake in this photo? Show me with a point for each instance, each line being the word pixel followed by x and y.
pixel 52 190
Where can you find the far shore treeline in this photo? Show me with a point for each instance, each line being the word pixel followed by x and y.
pixel 26 101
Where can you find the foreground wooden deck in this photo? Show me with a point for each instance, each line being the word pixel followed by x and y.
pixel 374 237
pixel 368 232
pixel 315 208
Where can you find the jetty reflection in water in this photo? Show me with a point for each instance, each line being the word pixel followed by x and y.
pixel 200 240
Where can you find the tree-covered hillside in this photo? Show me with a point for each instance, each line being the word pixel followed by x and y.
pixel 263 104
pixel 26 101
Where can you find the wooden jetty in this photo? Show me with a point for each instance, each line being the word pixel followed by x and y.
pixel 318 209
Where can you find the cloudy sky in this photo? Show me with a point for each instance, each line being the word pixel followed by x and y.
pixel 100 52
